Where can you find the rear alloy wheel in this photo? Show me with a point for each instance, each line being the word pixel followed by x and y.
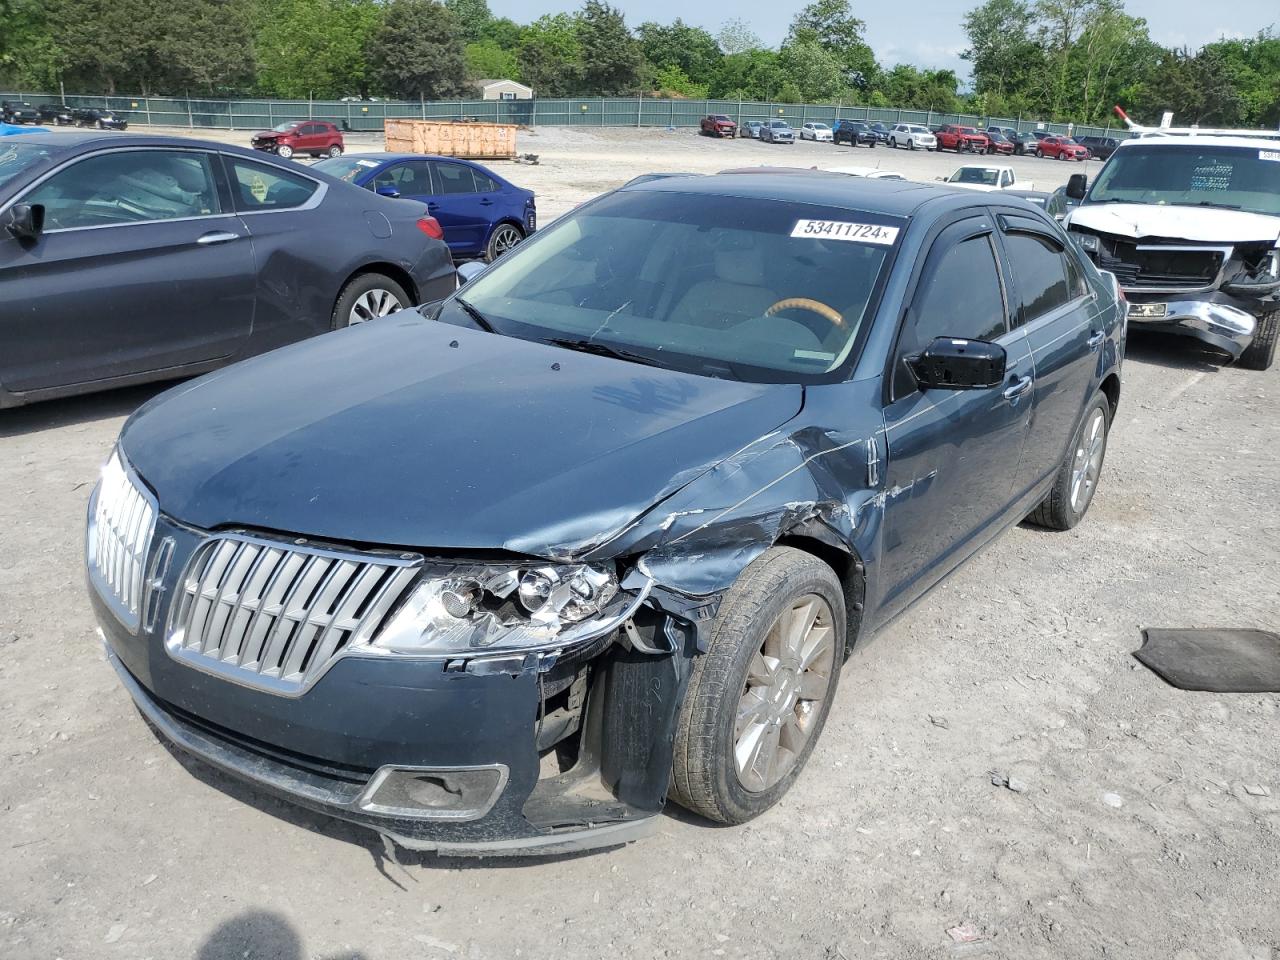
pixel 1261 352
pixel 505 236
pixel 757 700
pixel 1077 478
pixel 367 297
pixel 284 151
pixel 333 151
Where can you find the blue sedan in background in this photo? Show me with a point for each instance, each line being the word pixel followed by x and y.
pixel 482 214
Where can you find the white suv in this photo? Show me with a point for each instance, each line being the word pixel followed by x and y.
pixel 912 136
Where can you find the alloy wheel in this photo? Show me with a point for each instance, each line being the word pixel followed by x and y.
pixel 504 239
pixel 1087 464
pixel 373 304
pixel 787 680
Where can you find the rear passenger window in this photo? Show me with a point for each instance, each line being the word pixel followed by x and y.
pixel 454 178
pixel 484 184
pixel 258 186
pixel 1039 270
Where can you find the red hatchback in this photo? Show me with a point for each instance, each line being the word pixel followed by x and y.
pixel 1061 148
pixel 316 137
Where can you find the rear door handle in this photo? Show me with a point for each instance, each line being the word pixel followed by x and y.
pixel 1014 391
pixel 219 236
pixel 1095 341
pixel 486 203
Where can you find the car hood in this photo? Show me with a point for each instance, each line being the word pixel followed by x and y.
pixel 1198 224
pixel 267 134
pixel 416 433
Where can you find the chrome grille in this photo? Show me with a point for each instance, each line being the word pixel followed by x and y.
pixel 120 532
pixel 275 614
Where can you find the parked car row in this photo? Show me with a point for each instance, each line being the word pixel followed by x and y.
pixel 61 115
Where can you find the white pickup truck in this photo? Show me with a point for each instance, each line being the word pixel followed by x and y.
pixel 985 176
pixel 1189 223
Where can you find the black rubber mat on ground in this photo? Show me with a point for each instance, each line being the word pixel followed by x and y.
pixel 1223 661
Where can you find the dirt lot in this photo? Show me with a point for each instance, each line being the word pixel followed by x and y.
pixel 1149 826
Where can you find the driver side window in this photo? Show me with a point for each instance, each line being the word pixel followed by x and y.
pixel 128 186
pixel 960 295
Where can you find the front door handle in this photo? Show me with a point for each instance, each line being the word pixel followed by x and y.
pixel 1015 390
pixel 219 236
pixel 486 203
pixel 1095 341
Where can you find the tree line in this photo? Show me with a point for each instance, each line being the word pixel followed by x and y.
pixel 1048 59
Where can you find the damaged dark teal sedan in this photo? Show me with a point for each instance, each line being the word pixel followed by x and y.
pixel 501 575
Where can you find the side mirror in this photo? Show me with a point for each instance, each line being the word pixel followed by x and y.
pixel 1077 186
pixel 388 191
pixel 26 220
pixel 952 364
pixel 469 270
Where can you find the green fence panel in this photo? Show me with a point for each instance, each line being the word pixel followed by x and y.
pixel 370 115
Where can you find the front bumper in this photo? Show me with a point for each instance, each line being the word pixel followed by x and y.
pixel 1225 325
pixel 327 749
pixel 346 796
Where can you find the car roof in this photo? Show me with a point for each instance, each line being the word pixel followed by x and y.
pixel 895 198
pixel 88 140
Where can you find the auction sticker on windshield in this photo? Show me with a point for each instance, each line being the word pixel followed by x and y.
pixel 1269 154
pixel 842 230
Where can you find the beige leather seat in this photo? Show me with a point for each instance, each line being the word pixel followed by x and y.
pixel 736 292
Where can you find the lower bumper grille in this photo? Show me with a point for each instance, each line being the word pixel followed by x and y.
pixel 1156 268
pixel 274 614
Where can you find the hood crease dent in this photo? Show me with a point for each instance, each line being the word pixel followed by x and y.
pixel 1196 224
pixel 479 445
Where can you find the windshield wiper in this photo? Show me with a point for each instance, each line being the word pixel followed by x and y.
pixel 1211 203
pixel 475 315
pixel 604 350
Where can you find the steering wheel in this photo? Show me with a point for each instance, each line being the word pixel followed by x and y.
pixel 804 303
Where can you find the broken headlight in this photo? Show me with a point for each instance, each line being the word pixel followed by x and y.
pixel 463 610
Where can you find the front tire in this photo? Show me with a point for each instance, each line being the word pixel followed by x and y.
pixel 284 151
pixel 757 700
pixel 1077 479
pixel 1261 353
pixel 367 297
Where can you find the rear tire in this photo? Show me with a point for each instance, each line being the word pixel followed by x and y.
pixel 1260 354
pixel 1077 479
pixel 504 237
pixel 367 297
pixel 333 151
pixel 755 687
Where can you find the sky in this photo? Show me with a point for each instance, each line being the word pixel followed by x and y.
pixel 926 33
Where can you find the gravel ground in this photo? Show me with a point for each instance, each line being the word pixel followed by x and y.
pixel 1147 824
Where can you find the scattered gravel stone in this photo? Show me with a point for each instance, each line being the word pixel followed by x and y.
pixel 115 933
pixel 1113 800
pixel 1016 785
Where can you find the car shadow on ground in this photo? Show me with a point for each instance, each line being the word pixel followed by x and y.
pixel 72 411
pixel 261 933
pixel 393 863
pixel 1173 351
